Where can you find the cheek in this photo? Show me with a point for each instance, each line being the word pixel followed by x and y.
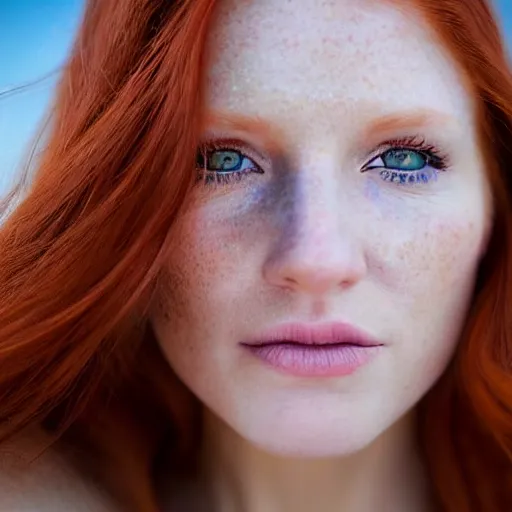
pixel 194 287
pixel 443 261
pixel 196 305
pixel 446 255
pixel 435 271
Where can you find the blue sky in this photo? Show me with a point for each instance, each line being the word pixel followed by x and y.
pixel 34 39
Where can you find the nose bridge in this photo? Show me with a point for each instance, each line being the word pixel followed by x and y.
pixel 315 216
pixel 316 248
pixel 320 205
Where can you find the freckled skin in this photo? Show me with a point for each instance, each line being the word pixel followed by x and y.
pixel 396 261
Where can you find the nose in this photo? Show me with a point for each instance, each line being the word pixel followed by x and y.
pixel 317 251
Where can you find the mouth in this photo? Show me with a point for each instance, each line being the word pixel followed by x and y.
pixel 329 350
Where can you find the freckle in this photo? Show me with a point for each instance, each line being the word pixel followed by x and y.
pixel 163 310
pixel 369 83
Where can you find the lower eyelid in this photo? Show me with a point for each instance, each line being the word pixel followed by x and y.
pixel 419 177
pixel 223 178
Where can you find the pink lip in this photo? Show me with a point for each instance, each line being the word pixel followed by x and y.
pixel 330 349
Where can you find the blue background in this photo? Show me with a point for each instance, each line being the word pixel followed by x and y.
pixel 35 36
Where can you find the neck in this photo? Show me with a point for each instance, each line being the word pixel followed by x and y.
pixel 385 476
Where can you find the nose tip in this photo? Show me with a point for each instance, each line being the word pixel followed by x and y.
pixel 316 270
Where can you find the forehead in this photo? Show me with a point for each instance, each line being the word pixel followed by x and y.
pixel 358 55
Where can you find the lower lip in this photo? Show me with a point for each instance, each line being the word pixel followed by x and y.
pixel 314 360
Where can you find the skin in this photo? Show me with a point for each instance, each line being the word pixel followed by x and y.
pixel 312 239
pixel 321 85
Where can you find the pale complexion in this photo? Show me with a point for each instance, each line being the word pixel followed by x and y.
pixel 312 91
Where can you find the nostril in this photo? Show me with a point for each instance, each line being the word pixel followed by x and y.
pixel 314 276
pixel 316 261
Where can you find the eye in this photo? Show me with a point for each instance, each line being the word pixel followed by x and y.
pixel 222 164
pixel 223 160
pixel 404 159
pixel 400 160
pixel 408 162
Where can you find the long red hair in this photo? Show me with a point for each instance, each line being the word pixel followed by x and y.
pixel 81 250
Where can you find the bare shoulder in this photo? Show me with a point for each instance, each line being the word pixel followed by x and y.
pixel 33 479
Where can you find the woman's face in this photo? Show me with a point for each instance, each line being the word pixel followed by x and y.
pixel 342 188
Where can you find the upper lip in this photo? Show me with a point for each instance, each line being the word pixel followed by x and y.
pixel 332 333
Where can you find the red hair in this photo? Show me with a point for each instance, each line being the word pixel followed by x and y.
pixel 81 252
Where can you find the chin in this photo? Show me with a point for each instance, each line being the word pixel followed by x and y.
pixel 310 435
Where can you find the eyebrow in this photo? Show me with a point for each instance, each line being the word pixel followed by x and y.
pixel 267 133
pixel 273 139
pixel 399 121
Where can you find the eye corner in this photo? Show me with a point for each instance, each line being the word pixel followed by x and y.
pixel 370 164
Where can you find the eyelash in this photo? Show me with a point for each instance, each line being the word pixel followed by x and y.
pixel 217 178
pixel 436 161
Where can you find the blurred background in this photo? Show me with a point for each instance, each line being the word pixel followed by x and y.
pixel 35 36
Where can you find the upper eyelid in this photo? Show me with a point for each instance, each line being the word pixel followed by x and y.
pixel 413 143
pixel 241 140
pixel 219 144
pixel 381 152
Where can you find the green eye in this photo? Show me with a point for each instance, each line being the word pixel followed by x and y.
pixel 404 160
pixel 221 165
pixel 224 160
pixel 407 162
